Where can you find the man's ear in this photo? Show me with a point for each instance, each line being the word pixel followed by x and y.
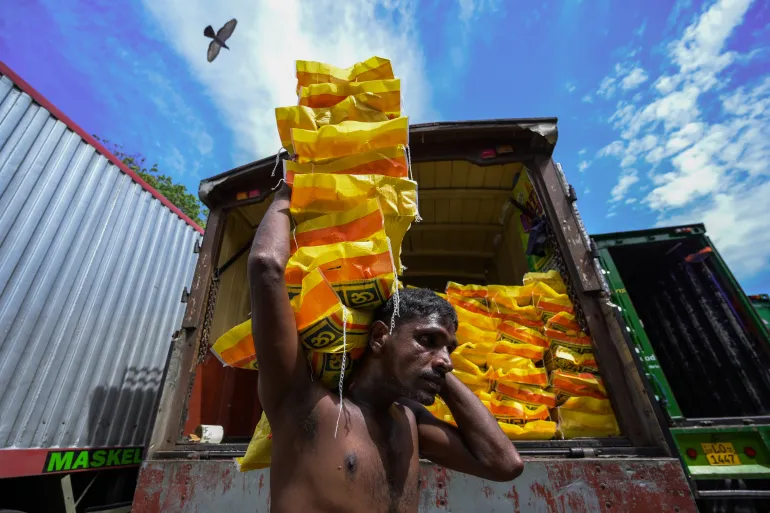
pixel 378 336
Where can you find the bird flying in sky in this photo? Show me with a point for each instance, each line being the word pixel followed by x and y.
pixel 219 38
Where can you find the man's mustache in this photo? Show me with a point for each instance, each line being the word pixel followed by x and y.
pixel 433 375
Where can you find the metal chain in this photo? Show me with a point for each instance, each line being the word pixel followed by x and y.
pixel 203 347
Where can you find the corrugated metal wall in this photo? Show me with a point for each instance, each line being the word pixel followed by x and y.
pixel 92 269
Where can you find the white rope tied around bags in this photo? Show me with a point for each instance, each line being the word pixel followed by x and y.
pixel 277 160
pixel 396 297
pixel 342 366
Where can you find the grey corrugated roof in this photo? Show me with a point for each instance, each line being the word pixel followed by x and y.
pixel 92 268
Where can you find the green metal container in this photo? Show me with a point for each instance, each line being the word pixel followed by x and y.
pixel 704 348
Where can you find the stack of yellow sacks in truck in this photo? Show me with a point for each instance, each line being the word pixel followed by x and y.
pixel 500 356
pixel 523 353
pixel 351 203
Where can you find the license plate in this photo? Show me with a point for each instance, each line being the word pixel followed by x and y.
pixel 721 454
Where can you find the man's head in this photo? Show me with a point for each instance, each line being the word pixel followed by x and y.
pixel 414 358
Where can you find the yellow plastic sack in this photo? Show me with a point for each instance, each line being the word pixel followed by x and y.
pixel 484 397
pixel 474 352
pixel 472 381
pixel 479 320
pixel 360 272
pixel 466 291
pixel 438 408
pixel 588 405
pixel 564 322
pixel 578 424
pixel 384 161
pixel 359 223
pixel 513 369
pixel 352 108
pixel 535 430
pixel 385 95
pixel 477 306
pixel 580 343
pixel 529 351
pixel 577 384
pixel 510 296
pixel 551 278
pixel 515 411
pixel 528 316
pixel 313 72
pixel 347 138
pixel 461 363
pixel 560 357
pixel 236 348
pixel 517 333
pixel 324 324
pixel 316 194
pixel 327 367
pixel 260 447
pixel 550 302
pixel 526 394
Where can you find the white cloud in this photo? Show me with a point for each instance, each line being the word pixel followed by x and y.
pixel 587 190
pixel 740 233
pixel 583 165
pixel 634 79
pixel 607 87
pixel 614 149
pixel 258 74
pixel 587 99
pixel 627 178
pixel 582 151
pixel 570 87
pixel 625 76
pixel 704 141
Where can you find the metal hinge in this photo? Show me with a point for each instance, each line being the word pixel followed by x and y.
pixel 185 295
pixel 582 452
pixel 571 194
pixel 197 247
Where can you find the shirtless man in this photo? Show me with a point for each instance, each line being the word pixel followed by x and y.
pixel 373 464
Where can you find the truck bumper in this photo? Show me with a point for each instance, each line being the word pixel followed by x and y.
pixel 558 485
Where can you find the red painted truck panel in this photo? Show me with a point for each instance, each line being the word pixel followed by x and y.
pixel 559 486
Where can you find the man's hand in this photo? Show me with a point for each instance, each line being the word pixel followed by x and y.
pixel 476 446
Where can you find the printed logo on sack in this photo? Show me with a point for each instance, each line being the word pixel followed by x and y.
pixel 333 362
pixel 293 291
pixel 66 461
pixel 322 334
pixel 365 294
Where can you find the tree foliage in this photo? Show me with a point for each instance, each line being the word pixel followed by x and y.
pixel 176 193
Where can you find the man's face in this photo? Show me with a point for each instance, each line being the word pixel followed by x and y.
pixel 416 356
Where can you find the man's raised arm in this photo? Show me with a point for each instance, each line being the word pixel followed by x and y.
pixel 283 369
pixel 476 446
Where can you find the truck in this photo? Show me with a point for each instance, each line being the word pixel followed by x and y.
pixel 474 229
pixel 93 269
pixel 706 353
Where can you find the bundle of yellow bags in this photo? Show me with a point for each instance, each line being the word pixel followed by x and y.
pixel 352 203
pixel 500 358
pixel 523 347
pixel 583 410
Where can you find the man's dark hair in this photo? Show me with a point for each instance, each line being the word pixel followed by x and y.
pixel 416 303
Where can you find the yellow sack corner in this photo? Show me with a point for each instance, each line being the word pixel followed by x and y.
pixel 258 453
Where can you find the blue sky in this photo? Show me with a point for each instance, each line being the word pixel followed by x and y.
pixel 664 112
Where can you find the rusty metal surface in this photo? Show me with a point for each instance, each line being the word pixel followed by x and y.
pixel 92 270
pixel 553 486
